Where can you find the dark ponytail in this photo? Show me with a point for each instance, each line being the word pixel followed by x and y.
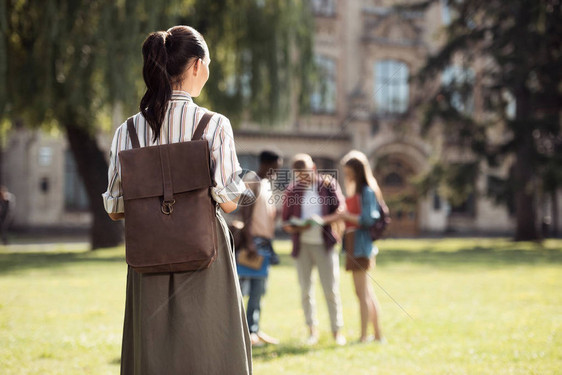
pixel 166 56
pixel 158 87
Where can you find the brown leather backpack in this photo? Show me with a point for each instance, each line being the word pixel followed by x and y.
pixel 169 212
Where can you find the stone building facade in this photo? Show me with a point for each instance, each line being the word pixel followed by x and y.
pixel 365 54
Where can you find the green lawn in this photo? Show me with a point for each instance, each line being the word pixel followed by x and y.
pixel 477 306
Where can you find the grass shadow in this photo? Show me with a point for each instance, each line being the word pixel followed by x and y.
pixel 16 262
pixel 115 361
pixel 481 255
pixel 438 253
pixel 448 252
pixel 271 352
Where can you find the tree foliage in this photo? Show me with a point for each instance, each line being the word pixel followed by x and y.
pixel 69 62
pixel 515 49
pixel 261 52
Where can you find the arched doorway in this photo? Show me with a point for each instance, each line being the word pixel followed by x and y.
pixel 393 173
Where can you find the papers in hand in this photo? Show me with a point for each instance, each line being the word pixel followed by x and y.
pixel 298 222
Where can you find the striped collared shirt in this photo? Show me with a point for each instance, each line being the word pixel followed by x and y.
pixel 179 125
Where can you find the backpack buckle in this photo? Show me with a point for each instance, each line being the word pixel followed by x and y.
pixel 168 207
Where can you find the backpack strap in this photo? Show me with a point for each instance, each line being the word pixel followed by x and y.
pixel 202 125
pixel 132 133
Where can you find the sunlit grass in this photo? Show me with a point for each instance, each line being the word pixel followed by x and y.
pixel 456 306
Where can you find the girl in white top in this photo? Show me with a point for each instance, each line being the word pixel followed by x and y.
pixel 189 322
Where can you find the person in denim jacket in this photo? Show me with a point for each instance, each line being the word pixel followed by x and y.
pixel 362 211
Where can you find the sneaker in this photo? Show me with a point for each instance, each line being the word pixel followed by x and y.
pixel 381 341
pixel 312 340
pixel 363 340
pixel 340 340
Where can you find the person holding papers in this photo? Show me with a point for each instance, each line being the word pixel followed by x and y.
pixel 307 201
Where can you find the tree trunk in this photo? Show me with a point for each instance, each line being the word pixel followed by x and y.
pixel 554 213
pixel 525 209
pixel 92 167
pixel 1 160
pixel 525 187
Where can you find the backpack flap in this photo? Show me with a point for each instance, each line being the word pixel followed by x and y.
pixel 144 171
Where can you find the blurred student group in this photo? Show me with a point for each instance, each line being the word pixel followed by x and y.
pixel 314 211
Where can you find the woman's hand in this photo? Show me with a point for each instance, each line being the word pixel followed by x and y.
pixel 349 217
pixel 328 219
pixel 117 216
pixel 344 215
pixel 228 207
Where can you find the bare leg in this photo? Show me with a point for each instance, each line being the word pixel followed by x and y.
pixel 374 312
pixel 361 290
pixel 313 331
pixel 375 309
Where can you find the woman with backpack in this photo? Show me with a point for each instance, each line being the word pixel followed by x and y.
pixel 361 214
pixel 181 322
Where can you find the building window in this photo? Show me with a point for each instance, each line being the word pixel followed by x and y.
pixel 466 207
pixel 45 156
pixel 375 127
pixel 75 197
pixel 393 179
pixel 323 97
pixel 436 202
pixel 240 83
pixel 503 190
pixel 458 82
pixel 391 87
pixel 324 7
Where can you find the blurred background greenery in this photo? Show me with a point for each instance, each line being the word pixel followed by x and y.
pixel 464 109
